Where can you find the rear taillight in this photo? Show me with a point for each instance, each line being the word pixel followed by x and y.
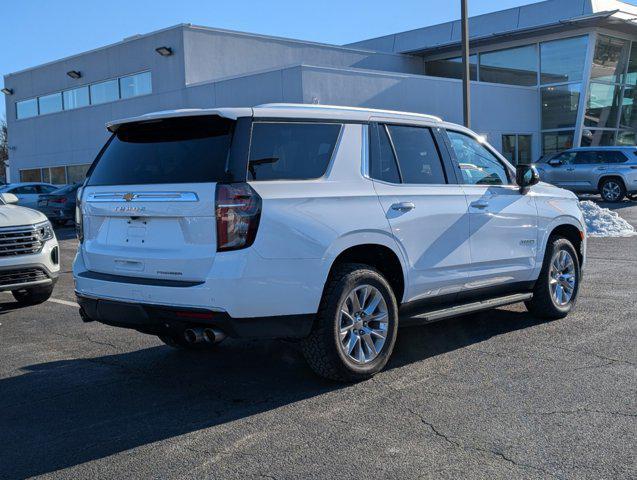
pixel 58 200
pixel 79 227
pixel 238 209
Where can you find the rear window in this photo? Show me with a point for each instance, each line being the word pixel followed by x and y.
pixel 175 150
pixel 291 151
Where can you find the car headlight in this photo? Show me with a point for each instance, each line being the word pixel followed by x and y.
pixel 45 231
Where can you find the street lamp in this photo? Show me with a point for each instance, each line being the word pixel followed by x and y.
pixel 74 74
pixel 164 51
pixel 466 85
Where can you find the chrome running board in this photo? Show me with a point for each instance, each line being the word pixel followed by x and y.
pixel 435 315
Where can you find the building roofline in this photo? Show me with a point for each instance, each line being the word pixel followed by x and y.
pixel 190 26
pixel 129 39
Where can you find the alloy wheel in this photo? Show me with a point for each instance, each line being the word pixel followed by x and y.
pixel 363 322
pixel 611 191
pixel 562 278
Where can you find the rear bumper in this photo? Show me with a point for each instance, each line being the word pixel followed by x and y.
pixel 162 320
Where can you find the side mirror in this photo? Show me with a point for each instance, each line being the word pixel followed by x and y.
pixel 526 176
pixel 9 198
pixel 555 162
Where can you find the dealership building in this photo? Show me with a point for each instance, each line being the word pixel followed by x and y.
pixel 545 76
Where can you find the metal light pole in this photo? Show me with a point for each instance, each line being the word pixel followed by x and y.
pixel 466 99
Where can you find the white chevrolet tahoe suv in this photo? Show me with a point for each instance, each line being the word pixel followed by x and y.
pixel 29 253
pixel 330 225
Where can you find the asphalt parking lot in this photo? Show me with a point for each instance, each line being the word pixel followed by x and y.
pixel 493 395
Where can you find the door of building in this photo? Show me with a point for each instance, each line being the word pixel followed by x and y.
pixel 517 148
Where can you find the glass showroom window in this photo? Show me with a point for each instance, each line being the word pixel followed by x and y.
pixel 602 105
pixel 628 118
pixel 50 103
pixel 557 141
pixel 626 137
pixel 76 98
pixel 563 61
pixel 559 105
pixel 135 85
pixel 609 61
pixel 104 92
pixel 452 67
pixel 27 108
pixel 597 138
pixel 514 66
pixel 517 148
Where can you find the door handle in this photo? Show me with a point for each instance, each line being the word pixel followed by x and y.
pixel 570 169
pixel 601 169
pixel 479 204
pixel 403 206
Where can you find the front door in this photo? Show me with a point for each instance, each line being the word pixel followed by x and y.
pixel 503 222
pixel 559 170
pixel 426 211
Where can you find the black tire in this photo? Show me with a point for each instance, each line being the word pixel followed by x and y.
pixel 617 184
pixel 543 305
pixel 180 343
pixel 33 296
pixel 321 348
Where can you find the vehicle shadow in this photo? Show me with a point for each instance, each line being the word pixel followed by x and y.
pixel 65 233
pixel 63 413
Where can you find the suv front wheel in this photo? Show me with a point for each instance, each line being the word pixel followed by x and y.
pixel 557 286
pixel 356 325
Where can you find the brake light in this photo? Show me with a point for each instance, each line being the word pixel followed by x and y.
pixel 58 200
pixel 238 210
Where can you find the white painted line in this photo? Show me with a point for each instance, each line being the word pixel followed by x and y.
pixel 64 302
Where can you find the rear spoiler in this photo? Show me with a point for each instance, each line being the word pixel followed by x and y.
pixel 229 113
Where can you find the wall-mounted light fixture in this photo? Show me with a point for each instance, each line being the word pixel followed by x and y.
pixel 7 91
pixel 164 51
pixel 74 74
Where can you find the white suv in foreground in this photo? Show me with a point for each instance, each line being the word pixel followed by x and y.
pixel 325 224
pixel 29 252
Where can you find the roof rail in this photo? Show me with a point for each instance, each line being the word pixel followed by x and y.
pixel 340 107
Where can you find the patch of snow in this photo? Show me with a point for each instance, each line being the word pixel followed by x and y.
pixel 602 222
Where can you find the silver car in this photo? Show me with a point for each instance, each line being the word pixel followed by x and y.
pixel 609 171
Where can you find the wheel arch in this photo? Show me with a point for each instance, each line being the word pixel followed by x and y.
pixel 609 176
pixel 378 251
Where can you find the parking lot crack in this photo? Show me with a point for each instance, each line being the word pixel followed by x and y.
pixel 596 355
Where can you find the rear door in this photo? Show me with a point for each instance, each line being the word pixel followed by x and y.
pixel 588 166
pixel 425 208
pixel 149 201
pixel 503 222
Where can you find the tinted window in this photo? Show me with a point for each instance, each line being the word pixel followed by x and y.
pixel 24 190
pixel 566 158
pixel 67 189
pixel 382 161
pixel 45 189
pixel 452 67
pixel 602 156
pixel 559 105
pixel 176 150
pixel 104 92
pixel 477 164
pixel 291 151
pixel 418 157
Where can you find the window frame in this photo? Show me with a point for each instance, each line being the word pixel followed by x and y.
pixel 439 142
pixel 508 168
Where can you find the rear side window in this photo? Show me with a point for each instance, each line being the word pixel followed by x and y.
pixel 381 156
pixel 174 150
pixel 614 156
pixel 418 157
pixel 291 151
pixel 477 164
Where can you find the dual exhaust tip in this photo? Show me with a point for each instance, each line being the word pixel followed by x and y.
pixel 201 335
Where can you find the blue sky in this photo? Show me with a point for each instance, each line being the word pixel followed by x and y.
pixel 38 31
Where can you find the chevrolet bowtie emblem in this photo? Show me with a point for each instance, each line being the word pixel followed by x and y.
pixel 129 197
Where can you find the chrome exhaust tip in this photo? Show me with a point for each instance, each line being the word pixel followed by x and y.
pixel 194 335
pixel 212 335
